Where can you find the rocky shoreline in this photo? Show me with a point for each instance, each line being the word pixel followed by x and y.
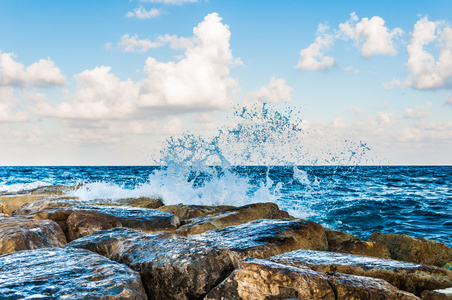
pixel 53 246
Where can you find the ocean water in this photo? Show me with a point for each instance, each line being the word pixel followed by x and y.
pixel 269 154
pixel 414 200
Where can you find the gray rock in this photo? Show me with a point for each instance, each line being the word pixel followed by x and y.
pixel 66 273
pixel 337 237
pixel 265 238
pixel 260 279
pixel 18 234
pixel 171 267
pixel 445 294
pixel 405 276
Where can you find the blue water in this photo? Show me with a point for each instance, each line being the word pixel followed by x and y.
pixel 359 200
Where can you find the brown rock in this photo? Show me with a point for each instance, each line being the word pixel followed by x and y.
pixel 5 209
pixel 18 234
pixel 445 294
pixel 66 273
pixel 265 238
pixel 416 250
pixel 171 266
pixel 259 280
pixel 83 223
pixel 336 237
pixel 143 202
pixel 192 211
pixel 362 248
pixel 405 276
pixel 231 217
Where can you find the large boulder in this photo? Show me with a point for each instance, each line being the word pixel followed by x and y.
pixel 265 238
pixel 405 276
pixel 171 266
pixel 232 217
pixel 18 234
pixel 66 273
pixel 184 212
pixel 260 280
pixel 362 248
pixel 445 294
pixel 81 220
pixel 416 250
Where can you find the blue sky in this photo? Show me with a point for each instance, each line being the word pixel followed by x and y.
pixel 104 82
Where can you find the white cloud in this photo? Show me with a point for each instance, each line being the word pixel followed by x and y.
pixel 396 82
pixel 312 57
pixel 428 73
pixel 351 70
pixel 420 112
pixel 176 42
pixel 8 103
pixel 198 82
pixel 371 36
pixel 178 2
pixel 276 91
pixel 141 13
pixel 134 44
pixel 39 74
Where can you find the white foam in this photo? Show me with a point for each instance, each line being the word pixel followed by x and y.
pixel 18 187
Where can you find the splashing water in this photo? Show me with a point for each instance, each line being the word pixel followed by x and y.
pixel 215 170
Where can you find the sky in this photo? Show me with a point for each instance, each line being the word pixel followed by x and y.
pixel 106 82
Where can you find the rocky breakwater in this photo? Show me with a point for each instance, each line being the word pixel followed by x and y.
pixel 251 252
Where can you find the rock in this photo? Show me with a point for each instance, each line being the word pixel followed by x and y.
pixel 445 294
pixel 416 250
pixel 231 217
pixel 18 234
pixel 143 202
pixel 59 273
pixel 103 217
pixel 171 266
pixel 265 238
pixel 83 223
pixel 41 204
pixel 184 212
pixel 5 209
pixel 259 279
pixel 405 276
pixel 336 237
pixel 362 248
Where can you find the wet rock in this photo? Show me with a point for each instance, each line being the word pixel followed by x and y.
pixel 260 279
pixel 336 237
pixel 184 212
pixel 416 250
pixel 405 276
pixel 18 234
pixel 45 203
pixel 171 266
pixel 362 248
pixel 265 238
pixel 231 217
pixel 143 202
pixel 59 273
pixel 445 294
pixel 83 223
pixel 104 217
pixel 5 209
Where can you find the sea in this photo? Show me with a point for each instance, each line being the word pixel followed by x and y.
pixel 266 155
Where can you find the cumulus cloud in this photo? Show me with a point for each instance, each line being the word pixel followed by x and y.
pixel 199 81
pixel 134 44
pixel 420 112
pixel 43 73
pixel 396 82
pixel 276 91
pixel 426 72
pixel 141 13
pixel 370 36
pixel 312 57
pixel 8 104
